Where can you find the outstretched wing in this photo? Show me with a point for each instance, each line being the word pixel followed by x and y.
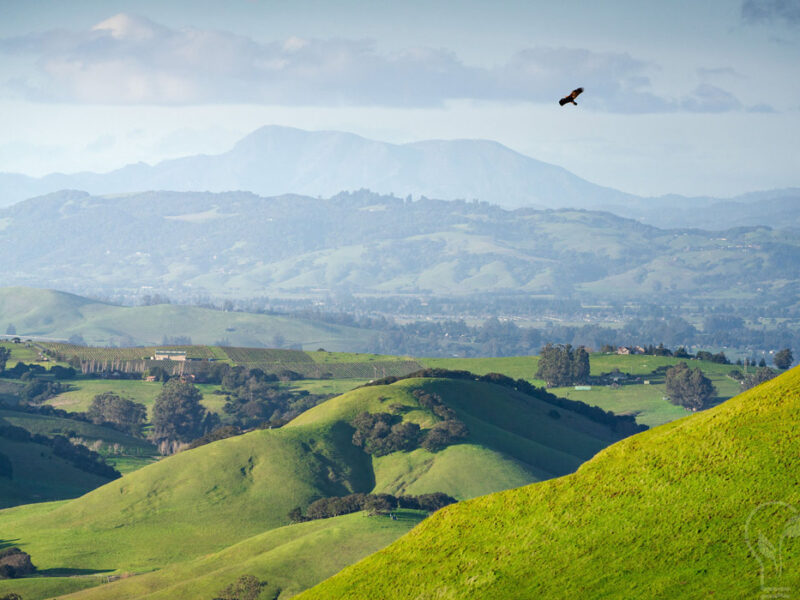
pixel 570 99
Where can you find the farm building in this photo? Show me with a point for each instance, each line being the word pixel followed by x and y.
pixel 176 355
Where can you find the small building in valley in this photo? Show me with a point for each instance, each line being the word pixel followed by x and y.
pixel 176 355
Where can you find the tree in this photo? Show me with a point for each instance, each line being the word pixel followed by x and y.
pixel 561 365
pixel 5 354
pixel 761 375
pixel 688 387
pixel 580 366
pixel 178 414
pixel 108 407
pixel 783 359
pixel 15 563
pixel 247 587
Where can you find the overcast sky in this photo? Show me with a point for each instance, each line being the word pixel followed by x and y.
pixel 681 96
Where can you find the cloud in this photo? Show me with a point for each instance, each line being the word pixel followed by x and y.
pixel 759 11
pixel 128 59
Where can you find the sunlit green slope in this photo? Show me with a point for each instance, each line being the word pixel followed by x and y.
pixel 691 509
pixel 202 502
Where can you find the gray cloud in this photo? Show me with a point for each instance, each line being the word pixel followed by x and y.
pixel 131 60
pixel 758 11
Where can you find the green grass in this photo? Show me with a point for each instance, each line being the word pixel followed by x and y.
pixel 327 358
pixel 49 425
pixel 58 315
pixel 646 402
pixel 325 386
pixel 517 367
pixel 663 514
pixel 39 475
pixel 290 559
pixel 83 391
pixel 512 439
pixel 22 352
pixel 203 502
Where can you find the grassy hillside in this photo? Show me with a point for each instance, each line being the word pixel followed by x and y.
pixel 366 243
pixel 290 559
pixel 58 315
pixel 204 501
pixel 692 509
pixel 122 451
pixel 512 439
pixel 40 475
pixel 647 402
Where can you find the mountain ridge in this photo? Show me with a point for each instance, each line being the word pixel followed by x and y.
pixel 275 160
pixel 239 244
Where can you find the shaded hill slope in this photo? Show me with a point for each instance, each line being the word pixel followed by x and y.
pixel 37 474
pixel 203 501
pixel 664 514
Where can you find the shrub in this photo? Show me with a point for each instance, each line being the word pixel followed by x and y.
pixel 15 563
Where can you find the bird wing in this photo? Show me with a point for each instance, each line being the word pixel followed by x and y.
pixel 576 93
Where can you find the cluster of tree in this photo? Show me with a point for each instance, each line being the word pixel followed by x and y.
pixel 383 433
pixel 622 424
pixel 15 563
pixel 178 415
pixel 26 371
pixel 254 398
pixel 37 391
pixel 688 387
pixel 561 365
pixel 447 431
pixel 111 409
pixel 78 456
pixel 247 587
pixel 374 503
pixel 751 380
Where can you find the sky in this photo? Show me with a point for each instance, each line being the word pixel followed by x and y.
pixel 695 98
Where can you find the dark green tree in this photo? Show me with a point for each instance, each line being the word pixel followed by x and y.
pixel 126 414
pixel 580 366
pixel 783 359
pixel 688 387
pixel 5 354
pixel 561 365
pixel 761 375
pixel 178 414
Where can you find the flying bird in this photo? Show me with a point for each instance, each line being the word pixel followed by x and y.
pixel 571 97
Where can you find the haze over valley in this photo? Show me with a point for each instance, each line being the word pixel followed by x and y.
pixel 399 300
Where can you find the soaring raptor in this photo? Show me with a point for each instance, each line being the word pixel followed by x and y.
pixel 571 97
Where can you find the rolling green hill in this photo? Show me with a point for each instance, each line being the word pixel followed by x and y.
pixel 362 242
pixel 205 501
pixel 705 506
pixel 58 315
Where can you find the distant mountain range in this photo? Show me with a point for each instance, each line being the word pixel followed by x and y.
pixel 242 245
pixel 279 160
